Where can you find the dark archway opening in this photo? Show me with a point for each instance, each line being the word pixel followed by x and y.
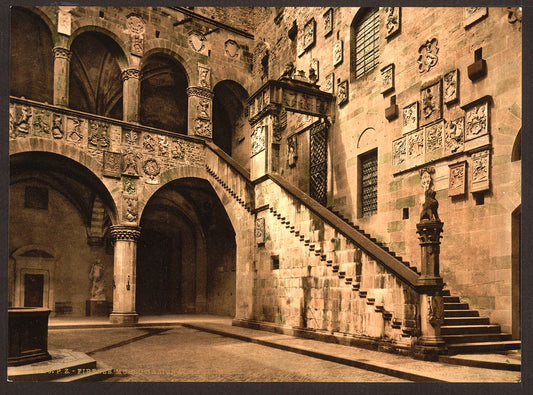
pixel 164 98
pixel 516 222
pixel 32 61
pixel 95 83
pixel 186 252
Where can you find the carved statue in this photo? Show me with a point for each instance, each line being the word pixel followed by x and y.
pixel 430 205
pixel 97 278
pixel 289 70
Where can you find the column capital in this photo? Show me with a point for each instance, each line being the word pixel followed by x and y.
pixel 199 91
pixel 130 73
pixel 125 232
pixel 60 52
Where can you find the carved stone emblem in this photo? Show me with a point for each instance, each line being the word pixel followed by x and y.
pixel 130 166
pixel 289 98
pixel 337 53
pixel 328 22
pixel 130 137
pixel 151 169
pixel 387 78
pixel 313 71
pixel 129 185
pixel 415 145
pixel 98 134
pixel 480 171
pixel 454 139
pixel 457 179
pixel 306 102
pixel 309 34
pixel 149 143
pixel 203 109
pixel 435 311
pixel 258 139
pixel 329 83
pixel 231 49
pixel 399 151
pixel 342 92
pixel 204 76
pixel 197 41
pixel 451 86
pixel 431 99
pixel 163 145
pixel 393 20
pixel 137 44
pixel 135 24
pixel 202 127
pixel 292 150
pixel 57 126
pixel 41 122
pixel 74 132
pixel 434 137
pixel 112 164
pixel 476 121
pixel 130 208
pixel 260 230
pixel 473 15
pixel 178 151
pixel 427 58
pixel 410 117
pixel 22 120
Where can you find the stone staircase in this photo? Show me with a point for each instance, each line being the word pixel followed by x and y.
pixel 465 332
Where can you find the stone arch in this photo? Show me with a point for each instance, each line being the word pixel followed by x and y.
pixel 516 153
pixel 88 163
pixel 367 140
pixel 45 18
pixel 234 74
pixel 166 47
pixel 122 56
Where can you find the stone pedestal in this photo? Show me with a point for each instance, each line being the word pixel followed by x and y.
pixel 430 284
pixel 124 277
pixel 27 335
pixel 62 58
pixel 96 308
pixel 131 94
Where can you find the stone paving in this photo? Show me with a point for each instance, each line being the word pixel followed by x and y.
pixel 178 354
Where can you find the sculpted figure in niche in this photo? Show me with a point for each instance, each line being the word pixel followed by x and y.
pixel 97 278
pixel 430 205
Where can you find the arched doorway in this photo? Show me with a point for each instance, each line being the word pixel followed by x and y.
pixel 59 216
pixel 230 127
pixel 32 61
pixel 164 98
pixel 186 252
pixel 95 84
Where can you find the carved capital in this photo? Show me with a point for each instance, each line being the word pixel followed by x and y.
pixel 125 232
pixel 130 73
pixel 429 232
pixel 200 92
pixel 62 53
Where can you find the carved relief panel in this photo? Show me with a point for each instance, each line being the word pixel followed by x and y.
pixel 392 21
pixel 328 22
pixel 415 147
pixel 41 122
pixel 431 99
pixel 152 169
pixel 473 15
pixel 98 134
pixel 20 121
pixel 130 137
pixel 480 171
pixel 309 34
pixel 204 76
pixel 399 151
pixel 451 87
pixel 454 139
pixel 197 41
pixel 112 164
pixel 434 135
pixel 476 121
pixel 130 208
pixel 427 58
pixel 387 78
pixel 457 179
pixel 410 117
pixel 338 52
pixel 75 130
pixel 329 83
pixel 136 27
pixel 130 163
pixel 231 49
pixel 258 139
pixel 342 92
pixel 58 130
pixel 260 230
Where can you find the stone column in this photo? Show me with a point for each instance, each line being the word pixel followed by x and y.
pixel 62 58
pixel 200 119
pixel 430 283
pixel 124 277
pixel 130 94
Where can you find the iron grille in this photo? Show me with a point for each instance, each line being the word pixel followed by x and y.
pixel 367 43
pixel 369 184
pixel 318 163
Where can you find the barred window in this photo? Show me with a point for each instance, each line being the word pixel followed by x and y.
pixel 369 184
pixel 366 37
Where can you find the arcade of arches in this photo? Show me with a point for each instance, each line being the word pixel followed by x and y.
pixel 229 161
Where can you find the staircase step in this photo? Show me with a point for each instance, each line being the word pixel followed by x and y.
pixel 456 306
pixel 465 348
pixel 476 338
pixel 448 321
pixel 451 299
pixel 469 329
pixel 445 292
pixel 461 313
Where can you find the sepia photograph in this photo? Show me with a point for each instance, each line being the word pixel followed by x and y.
pixel 264 194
